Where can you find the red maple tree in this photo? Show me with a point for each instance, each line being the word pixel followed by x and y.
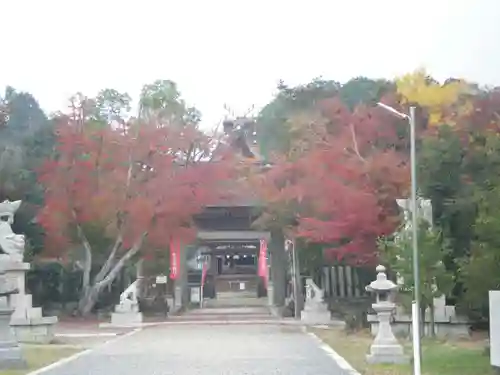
pixel 340 188
pixel 141 185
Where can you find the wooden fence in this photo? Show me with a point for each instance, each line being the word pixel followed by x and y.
pixel 345 281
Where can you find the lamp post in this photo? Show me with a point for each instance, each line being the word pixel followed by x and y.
pixel 417 352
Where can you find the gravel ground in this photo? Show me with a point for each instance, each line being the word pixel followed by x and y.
pixel 207 350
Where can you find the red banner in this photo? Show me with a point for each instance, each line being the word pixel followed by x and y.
pixel 204 273
pixel 262 265
pixel 175 258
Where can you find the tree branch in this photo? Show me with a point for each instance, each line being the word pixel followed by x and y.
pixel 88 252
pixel 355 142
pixel 119 224
pixel 111 259
pixel 118 266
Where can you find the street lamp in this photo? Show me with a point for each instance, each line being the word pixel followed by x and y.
pixel 417 352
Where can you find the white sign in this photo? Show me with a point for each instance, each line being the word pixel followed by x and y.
pixel 161 279
pixel 242 286
pixel 195 295
pixel 495 327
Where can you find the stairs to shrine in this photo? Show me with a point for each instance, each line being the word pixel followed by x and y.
pixel 230 299
pixel 229 314
pixel 228 307
pixel 236 284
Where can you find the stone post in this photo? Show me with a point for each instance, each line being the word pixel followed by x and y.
pixel 385 348
pixel 26 321
pixel 10 353
pixel 494 299
pixel 278 268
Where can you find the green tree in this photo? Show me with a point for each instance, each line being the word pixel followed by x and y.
pixel 362 90
pixel 435 279
pixel 480 269
pixel 274 120
pixel 162 101
pixel 25 138
pixel 458 169
pixel 113 106
pixel 273 126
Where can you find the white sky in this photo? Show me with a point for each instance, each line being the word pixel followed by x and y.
pixel 234 52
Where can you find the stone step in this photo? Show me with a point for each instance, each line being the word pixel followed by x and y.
pixel 226 303
pixel 35 313
pixel 234 295
pixel 231 311
pixel 214 317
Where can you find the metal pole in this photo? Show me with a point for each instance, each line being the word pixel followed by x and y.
pixel 294 283
pixel 201 297
pixel 416 271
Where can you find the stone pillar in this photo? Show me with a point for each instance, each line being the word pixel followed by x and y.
pixel 213 265
pixel 181 290
pixel 494 300
pixel 11 356
pixel 19 301
pixel 278 267
pixel 139 274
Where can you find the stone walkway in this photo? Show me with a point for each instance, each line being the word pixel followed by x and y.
pixel 207 350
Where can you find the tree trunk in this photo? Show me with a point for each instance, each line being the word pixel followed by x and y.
pixel 91 293
pixel 88 300
pixel 423 307
pixel 432 321
pixel 299 296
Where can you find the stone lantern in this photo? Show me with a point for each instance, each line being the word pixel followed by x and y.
pixel 385 348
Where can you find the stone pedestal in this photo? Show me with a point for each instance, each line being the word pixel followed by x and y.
pixel 385 348
pixel 126 315
pixel 317 315
pixel 27 322
pixel 10 353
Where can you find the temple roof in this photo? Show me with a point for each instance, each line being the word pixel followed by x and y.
pixel 240 134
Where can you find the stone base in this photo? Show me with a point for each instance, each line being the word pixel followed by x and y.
pixel 123 319
pixel 39 331
pixel 390 354
pixel 270 294
pixel 316 317
pixel 11 358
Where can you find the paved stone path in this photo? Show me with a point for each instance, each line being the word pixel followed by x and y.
pixel 207 350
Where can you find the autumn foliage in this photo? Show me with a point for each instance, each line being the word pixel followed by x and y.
pixel 339 182
pixel 142 182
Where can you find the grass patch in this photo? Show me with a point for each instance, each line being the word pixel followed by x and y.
pixel 39 356
pixel 438 357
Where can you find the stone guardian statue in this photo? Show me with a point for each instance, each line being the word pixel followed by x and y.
pixel 11 244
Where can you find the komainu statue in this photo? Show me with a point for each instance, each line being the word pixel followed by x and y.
pixel 11 244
